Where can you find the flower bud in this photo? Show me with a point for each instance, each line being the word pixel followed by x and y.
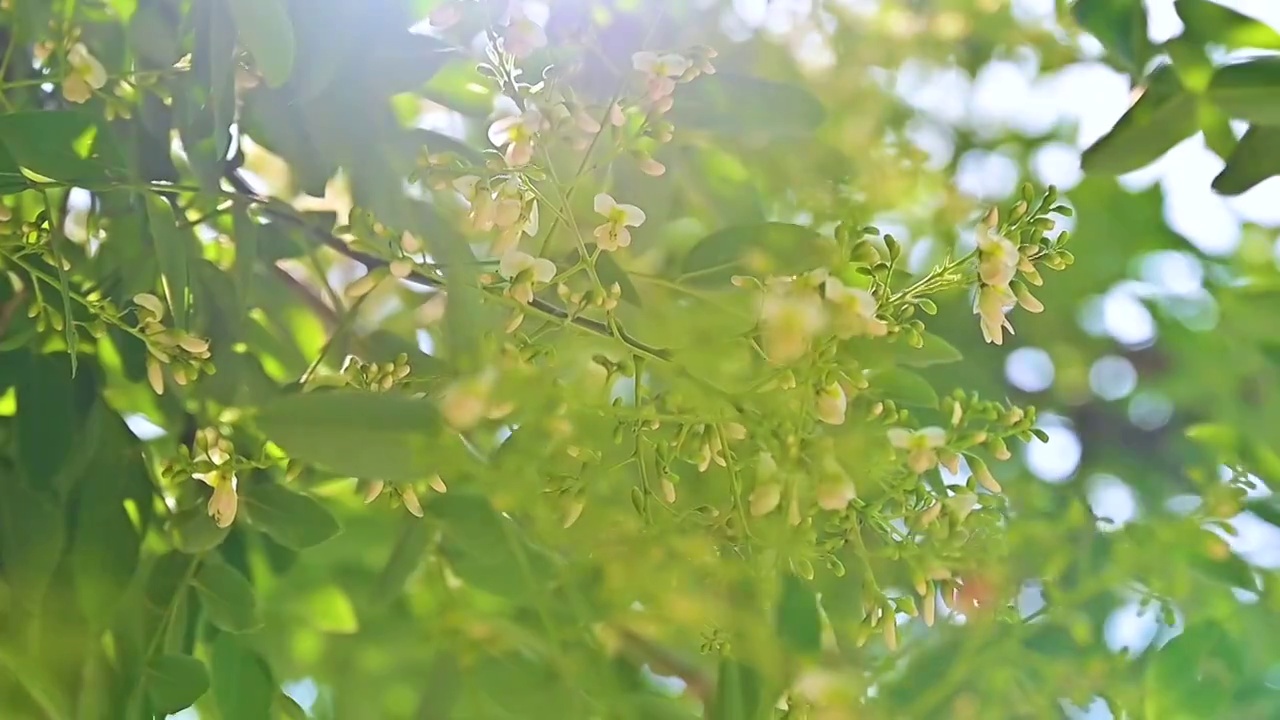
pixel 410 500
pixel 572 511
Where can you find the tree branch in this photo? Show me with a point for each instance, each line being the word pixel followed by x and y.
pixel 371 262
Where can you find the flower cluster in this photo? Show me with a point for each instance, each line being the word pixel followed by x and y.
pixel 795 310
pixel 83 72
pixel 1005 267
pixel 506 207
pixel 375 377
pixel 405 492
pixel 214 465
pixel 662 71
pixel 186 355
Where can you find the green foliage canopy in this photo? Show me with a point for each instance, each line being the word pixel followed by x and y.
pixel 488 359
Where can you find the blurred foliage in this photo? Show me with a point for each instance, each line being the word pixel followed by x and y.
pixel 492 359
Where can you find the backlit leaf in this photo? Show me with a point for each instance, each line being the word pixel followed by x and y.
pixel 227 597
pixel 175 682
pixel 295 520
pixel 367 435
pixel 266 31
pixel 1163 115
pixel 242 684
pixel 1249 90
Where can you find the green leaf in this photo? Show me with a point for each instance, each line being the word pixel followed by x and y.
pixel 406 557
pixel 438 143
pixel 763 249
pixel 1255 158
pixel 486 550
pixel 367 435
pixel 1209 22
pixel 105 550
pixel 1219 437
pixel 242 684
pixel 740 105
pixel 1121 27
pixel 739 693
pixel 1193 675
pixel 173 249
pixel 296 521
pixel 904 387
pixel 32 536
pixel 289 708
pixel 12 181
pixel 404 61
pixel 460 87
pixel 1248 90
pixel 266 31
pixel 1164 115
pixel 798 622
pixel 50 425
pixel 227 597
pixel 175 682
pixel 58 145
pixel 328 609
pixel 1216 127
pixel 195 531
pixel 1266 510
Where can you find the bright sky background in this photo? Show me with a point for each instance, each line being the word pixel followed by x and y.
pixel 1092 97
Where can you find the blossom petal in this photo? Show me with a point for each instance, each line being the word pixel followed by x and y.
pixel 531 223
pixel 899 437
pixel 644 61
pixel 932 436
pixel 500 130
pixel 543 270
pixel 631 215
pixel 605 204
pixel 514 263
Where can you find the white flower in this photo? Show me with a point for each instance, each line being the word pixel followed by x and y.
pixel 832 403
pixel 661 71
pixel 765 498
pixel 613 233
pixel 151 304
pixel 652 167
pixel 526 224
pixel 85 74
pixel 516 133
pixel 854 312
pixel 788 321
pixel 466 402
pixel 922 446
pixel 523 36
pixel 484 210
pixel 835 493
pixel 508 205
pixel 991 304
pixel 523 270
pixel 223 502
pixel 998 258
